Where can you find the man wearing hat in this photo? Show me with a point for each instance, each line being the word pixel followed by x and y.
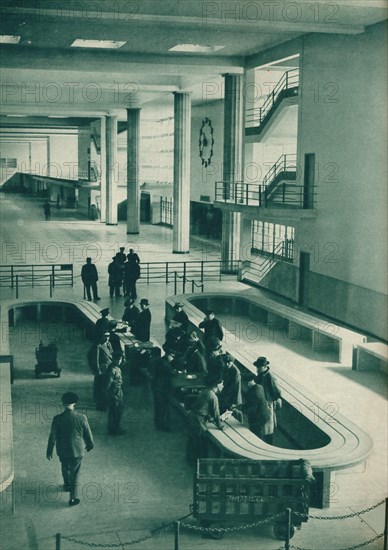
pixel 102 325
pixel 71 434
pixel 230 397
pixel 212 328
pixel 131 275
pixel 89 278
pixel 115 271
pixel 180 316
pixel 162 390
pixel 195 355
pixel 256 407
pixel 142 326
pixel 205 409
pixel 272 394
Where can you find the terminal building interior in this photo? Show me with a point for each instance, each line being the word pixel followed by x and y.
pixel 221 166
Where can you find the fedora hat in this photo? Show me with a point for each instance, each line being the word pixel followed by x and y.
pixel 105 311
pixel 261 362
pixel 69 398
pixel 144 302
pixel 178 304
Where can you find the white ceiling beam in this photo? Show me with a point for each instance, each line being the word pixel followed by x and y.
pixel 221 20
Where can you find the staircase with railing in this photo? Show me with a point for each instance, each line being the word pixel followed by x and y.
pixel 256 270
pixel 258 117
pixel 277 189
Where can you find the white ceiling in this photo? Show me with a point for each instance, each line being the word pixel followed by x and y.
pixel 44 75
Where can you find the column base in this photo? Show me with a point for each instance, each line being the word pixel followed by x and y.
pixel 180 252
pixel 108 223
pixel 133 232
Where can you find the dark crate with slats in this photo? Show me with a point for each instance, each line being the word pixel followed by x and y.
pixel 247 490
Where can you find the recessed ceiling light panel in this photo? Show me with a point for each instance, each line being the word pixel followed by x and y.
pixel 9 39
pixel 196 48
pixel 103 44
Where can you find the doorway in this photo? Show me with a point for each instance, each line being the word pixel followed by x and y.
pixel 304 279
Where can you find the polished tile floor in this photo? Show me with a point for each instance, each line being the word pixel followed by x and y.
pixel 136 483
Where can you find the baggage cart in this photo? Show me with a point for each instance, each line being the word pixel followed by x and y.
pixel 241 490
pixel 46 357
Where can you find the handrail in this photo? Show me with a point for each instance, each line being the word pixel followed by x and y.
pixel 289 80
pixel 194 269
pixel 283 164
pixel 51 275
pixel 289 194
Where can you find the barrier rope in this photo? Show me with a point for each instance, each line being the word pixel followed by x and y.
pixel 348 548
pixel 154 532
pixel 345 516
pixel 231 529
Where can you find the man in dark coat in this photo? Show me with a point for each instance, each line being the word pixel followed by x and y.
pixel 131 275
pixel 89 278
pixel 195 355
pixel 131 312
pixel 205 409
pixel 71 434
pixel 230 396
pixel 142 326
pixel 121 255
pixel 115 271
pixel 133 257
pixel 47 210
pixel 212 328
pixel 181 317
pixel 162 389
pixel 102 325
pixel 272 394
pixel 255 407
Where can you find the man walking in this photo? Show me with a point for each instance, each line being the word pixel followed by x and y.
pixel 89 278
pixel 71 434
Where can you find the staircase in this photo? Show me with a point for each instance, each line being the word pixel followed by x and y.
pixel 255 271
pixel 258 118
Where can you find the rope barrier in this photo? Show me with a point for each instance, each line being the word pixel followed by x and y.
pixel 345 516
pixel 361 545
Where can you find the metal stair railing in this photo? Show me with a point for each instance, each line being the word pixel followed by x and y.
pixel 289 81
pixel 280 253
pixel 285 163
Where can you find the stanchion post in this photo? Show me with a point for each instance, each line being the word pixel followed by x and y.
pixel 386 525
pixel 17 286
pixel 177 528
pixel 288 533
pixel 175 282
pixel 58 541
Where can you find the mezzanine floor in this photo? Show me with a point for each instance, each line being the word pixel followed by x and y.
pixel 136 482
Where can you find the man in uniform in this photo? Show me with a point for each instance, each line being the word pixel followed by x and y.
pixel 104 354
pixel 71 434
pixel 115 395
pixel 89 278
pixel 102 325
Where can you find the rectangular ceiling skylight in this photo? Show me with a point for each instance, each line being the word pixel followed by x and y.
pixel 196 48
pixel 103 44
pixel 9 39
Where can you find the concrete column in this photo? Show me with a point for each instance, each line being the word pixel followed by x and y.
pixel 232 167
pixel 182 133
pixel 111 170
pixel 133 186
pixel 103 169
pixel 84 152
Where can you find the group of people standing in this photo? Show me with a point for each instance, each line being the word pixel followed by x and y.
pixel 123 272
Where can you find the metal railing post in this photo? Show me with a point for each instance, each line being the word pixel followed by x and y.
pixel 32 276
pixel 176 538
pixel 184 276
pixel 175 282
pixel 184 285
pixel 201 271
pixel 58 541
pixel 17 286
pixel 286 80
pixel 148 273
pixel 72 275
pixel 386 525
pixel 288 532
pixel 166 273
pixel 12 276
pixel 51 286
pixel 192 287
pixel 53 274
pixel 284 191
pixel 246 194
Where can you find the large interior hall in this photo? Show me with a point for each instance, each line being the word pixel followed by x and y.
pixel 193 275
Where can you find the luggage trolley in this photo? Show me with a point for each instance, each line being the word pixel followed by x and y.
pixel 240 490
pixel 46 357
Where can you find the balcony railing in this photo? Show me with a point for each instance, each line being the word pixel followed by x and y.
pixel 285 164
pixel 286 194
pixel 288 85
